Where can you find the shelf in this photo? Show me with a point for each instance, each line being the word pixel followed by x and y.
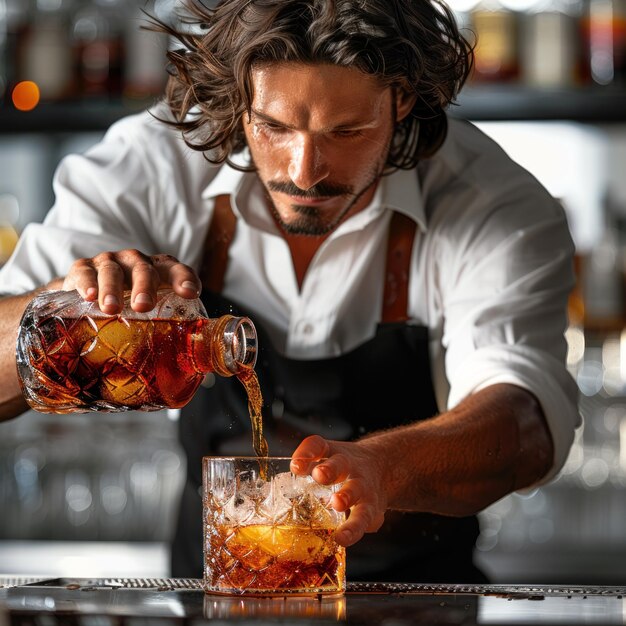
pixel 70 117
pixel 477 103
pixel 515 102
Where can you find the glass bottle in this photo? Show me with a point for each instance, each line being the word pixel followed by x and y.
pixel 97 34
pixel 72 358
pixel 496 56
pixel 549 43
pixel 46 57
pixel 3 47
pixel 604 35
pixel 145 73
pixel 15 22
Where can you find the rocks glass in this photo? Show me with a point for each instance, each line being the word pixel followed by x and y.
pixel 268 531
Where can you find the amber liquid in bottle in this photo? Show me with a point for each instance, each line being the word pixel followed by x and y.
pixel 119 364
pixel 71 358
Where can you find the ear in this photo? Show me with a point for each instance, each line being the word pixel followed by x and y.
pixel 404 103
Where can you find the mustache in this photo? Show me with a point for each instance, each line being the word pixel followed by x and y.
pixel 322 189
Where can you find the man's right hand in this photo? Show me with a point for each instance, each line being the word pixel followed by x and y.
pixel 107 275
pixel 104 278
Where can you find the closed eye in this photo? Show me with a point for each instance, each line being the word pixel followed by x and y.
pixel 272 128
pixel 348 134
pixel 340 133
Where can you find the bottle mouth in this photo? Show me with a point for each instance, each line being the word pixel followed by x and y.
pixel 241 341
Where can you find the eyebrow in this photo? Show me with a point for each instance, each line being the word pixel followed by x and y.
pixel 350 124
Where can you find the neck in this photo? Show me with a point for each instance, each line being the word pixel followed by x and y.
pixel 303 249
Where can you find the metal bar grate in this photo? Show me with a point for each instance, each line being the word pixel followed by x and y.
pixel 176 584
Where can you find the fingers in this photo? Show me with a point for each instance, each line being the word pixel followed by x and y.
pixel 351 493
pixel 181 277
pixel 108 275
pixel 365 513
pixel 334 469
pixel 82 277
pixel 308 453
pixel 363 518
pixel 361 493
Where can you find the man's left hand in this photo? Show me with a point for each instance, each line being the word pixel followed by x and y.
pixel 362 493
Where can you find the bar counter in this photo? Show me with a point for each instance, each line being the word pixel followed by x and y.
pixel 135 601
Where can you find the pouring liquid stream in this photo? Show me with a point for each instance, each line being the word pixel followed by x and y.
pixel 250 381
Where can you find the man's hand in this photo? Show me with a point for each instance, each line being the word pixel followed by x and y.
pixel 362 493
pixel 104 277
pixel 493 443
pixel 107 275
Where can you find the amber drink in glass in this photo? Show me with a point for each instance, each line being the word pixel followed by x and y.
pixel 268 531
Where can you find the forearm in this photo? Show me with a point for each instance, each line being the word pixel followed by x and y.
pixel 493 443
pixel 12 402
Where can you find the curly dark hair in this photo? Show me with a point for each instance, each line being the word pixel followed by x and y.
pixel 414 45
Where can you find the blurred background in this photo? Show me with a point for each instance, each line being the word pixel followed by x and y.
pixel 95 495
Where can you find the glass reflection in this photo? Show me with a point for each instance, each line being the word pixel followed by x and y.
pixel 278 608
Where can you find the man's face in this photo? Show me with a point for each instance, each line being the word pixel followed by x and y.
pixel 319 136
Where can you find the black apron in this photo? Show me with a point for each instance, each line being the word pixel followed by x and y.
pixel 384 382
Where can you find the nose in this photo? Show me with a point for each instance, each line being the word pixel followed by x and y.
pixel 307 164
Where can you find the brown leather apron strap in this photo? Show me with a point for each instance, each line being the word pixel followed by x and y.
pixel 399 247
pixel 397 271
pixel 217 243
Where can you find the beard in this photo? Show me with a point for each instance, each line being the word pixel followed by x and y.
pixel 310 220
pixel 313 221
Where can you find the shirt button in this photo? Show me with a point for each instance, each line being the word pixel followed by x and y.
pixel 308 329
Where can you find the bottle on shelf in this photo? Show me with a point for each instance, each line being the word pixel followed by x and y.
pixel 145 72
pixel 602 279
pixel 72 358
pixel 496 52
pixel 45 56
pixel 3 47
pixel 97 35
pixel 604 38
pixel 15 19
pixel 549 43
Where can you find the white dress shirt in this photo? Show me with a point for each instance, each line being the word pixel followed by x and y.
pixel 491 266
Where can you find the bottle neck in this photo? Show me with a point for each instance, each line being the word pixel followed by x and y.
pixel 232 343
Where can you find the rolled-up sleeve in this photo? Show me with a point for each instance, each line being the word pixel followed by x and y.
pixel 103 201
pixel 506 274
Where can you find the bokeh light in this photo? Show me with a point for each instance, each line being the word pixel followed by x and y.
pixel 25 95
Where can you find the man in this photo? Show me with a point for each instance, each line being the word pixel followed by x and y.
pixel 409 282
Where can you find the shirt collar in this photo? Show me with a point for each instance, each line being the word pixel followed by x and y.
pixel 228 180
pixel 399 192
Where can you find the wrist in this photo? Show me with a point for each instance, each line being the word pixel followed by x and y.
pixel 390 463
